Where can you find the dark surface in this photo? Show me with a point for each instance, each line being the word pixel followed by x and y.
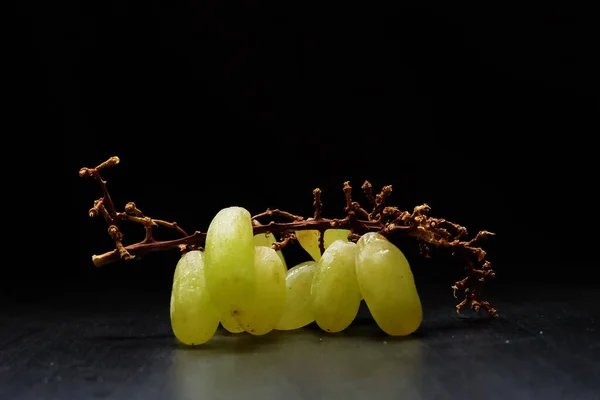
pixel 544 346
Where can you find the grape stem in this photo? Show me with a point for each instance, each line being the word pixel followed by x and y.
pixel 388 221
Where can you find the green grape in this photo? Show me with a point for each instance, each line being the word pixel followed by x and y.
pixel 335 294
pixel 267 240
pixel 194 319
pixel 309 240
pixel 297 312
pixel 331 235
pixel 265 310
pixel 231 325
pixel 229 254
pixel 387 285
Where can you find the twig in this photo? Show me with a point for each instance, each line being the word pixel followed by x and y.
pixel 380 202
pixel 134 214
pixel 277 212
pixel 95 173
pixel 317 203
pixel 117 236
pixel 106 207
pixel 138 250
pixel 354 206
pixel 388 221
pixel 287 239
pixel 368 191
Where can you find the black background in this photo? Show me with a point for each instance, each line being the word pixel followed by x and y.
pixel 488 115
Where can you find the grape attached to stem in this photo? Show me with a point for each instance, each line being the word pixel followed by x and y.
pixel 387 285
pixel 335 294
pixel 194 319
pixel 230 273
pixel 297 312
pixel 264 311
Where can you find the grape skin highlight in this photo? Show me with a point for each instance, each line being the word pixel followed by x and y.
pixel 263 313
pixel 229 258
pixel 387 285
pixel 297 312
pixel 335 293
pixel 194 319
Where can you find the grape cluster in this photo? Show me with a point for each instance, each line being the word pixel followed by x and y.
pixel 242 283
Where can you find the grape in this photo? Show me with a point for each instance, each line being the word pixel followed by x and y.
pixel 229 254
pixel 231 325
pixel 267 240
pixel 194 319
pixel 387 285
pixel 309 240
pixel 335 293
pixel 265 310
pixel 297 312
pixel 331 235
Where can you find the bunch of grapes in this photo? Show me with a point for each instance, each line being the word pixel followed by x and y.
pixel 240 279
pixel 241 282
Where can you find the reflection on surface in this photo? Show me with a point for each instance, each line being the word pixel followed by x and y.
pixel 301 364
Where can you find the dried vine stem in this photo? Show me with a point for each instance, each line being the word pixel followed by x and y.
pixel 383 219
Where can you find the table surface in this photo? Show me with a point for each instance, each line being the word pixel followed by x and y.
pixel 545 345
